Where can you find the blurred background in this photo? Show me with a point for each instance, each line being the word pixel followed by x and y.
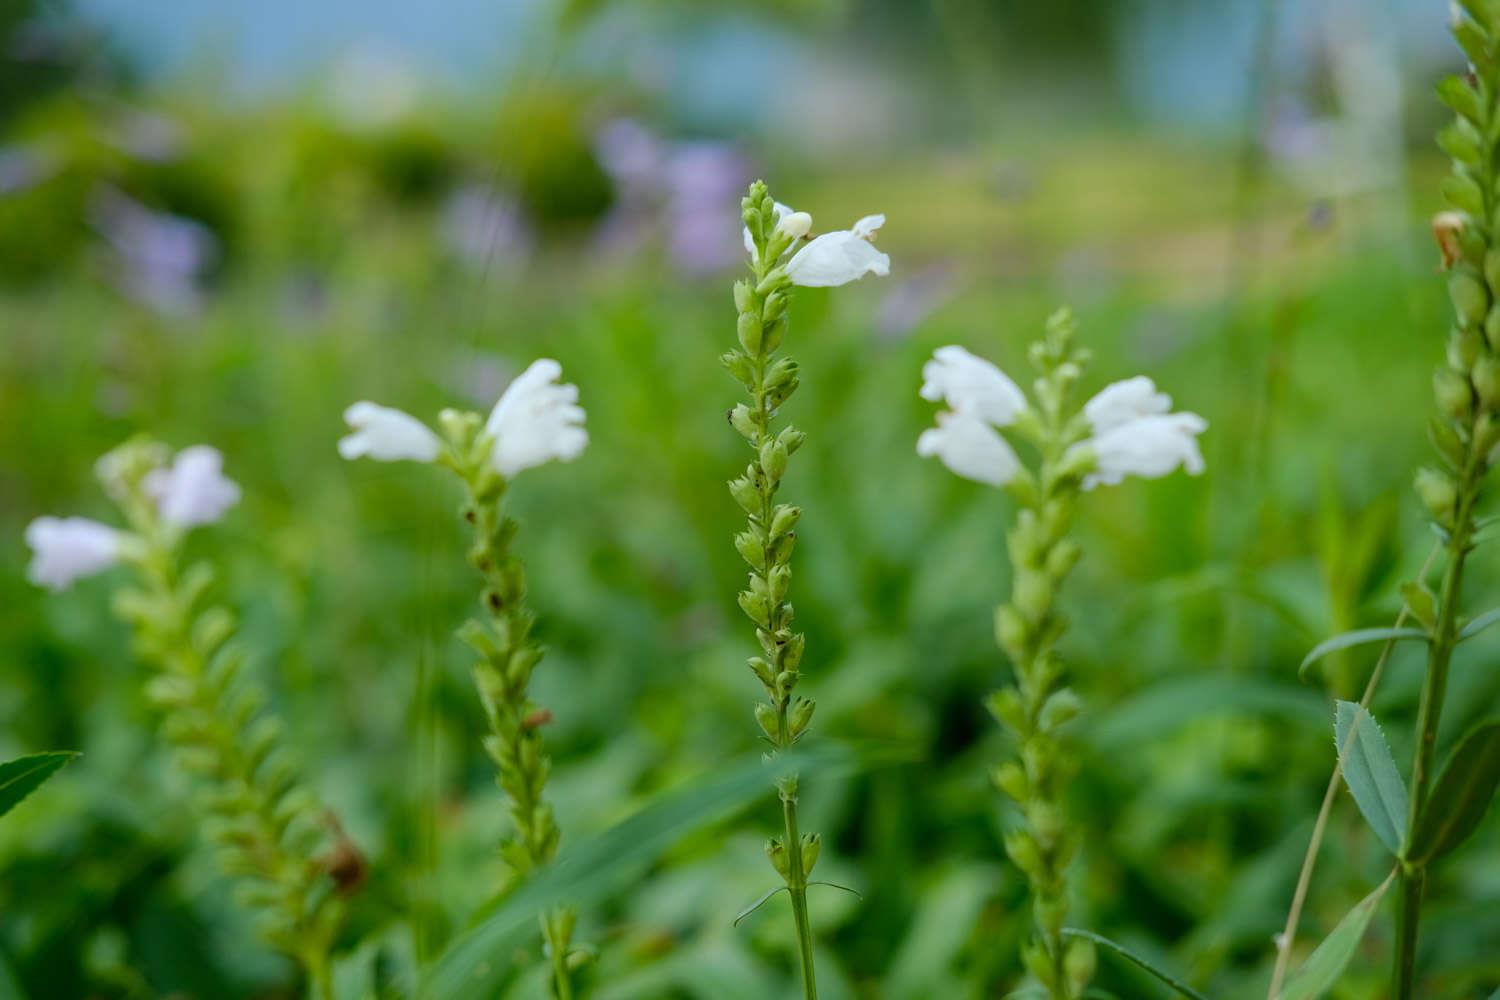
pixel 223 222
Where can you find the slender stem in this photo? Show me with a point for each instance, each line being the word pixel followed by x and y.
pixel 1320 825
pixel 796 886
pixel 319 977
pixel 562 978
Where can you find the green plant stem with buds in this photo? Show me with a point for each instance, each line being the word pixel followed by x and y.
pixel 767 542
pixel 502 674
pixel 1466 429
pixel 1028 628
pixel 267 828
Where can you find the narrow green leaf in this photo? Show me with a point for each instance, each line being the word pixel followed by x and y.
pixel 22 776
pixel 1135 959
pixel 1461 796
pixel 1370 772
pixel 592 868
pixel 1329 959
pixel 757 904
pixel 1479 624
pixel 1359 637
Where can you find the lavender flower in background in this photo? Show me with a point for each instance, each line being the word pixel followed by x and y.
pixel 148 136
pixel 909 304
pixel 483 226
pixel 22 168
pixel 158 259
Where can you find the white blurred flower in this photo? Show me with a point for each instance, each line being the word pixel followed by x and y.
pixel 536 420
pixel 970 448
pixel 841 257
pixel 1150 447
pixel 970 384
pixel 67 548
pixel 1121 402
pixel 387 435
pixel 193 489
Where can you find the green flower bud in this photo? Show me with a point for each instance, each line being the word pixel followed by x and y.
pixel 1446 440
pixel 770 721
pixel 1011 631
pixel 791 439
pixel 1420 601
pixel 812 846
pixel 1492 267
pixel 1465 346
pixel 772 336
pixel 1039 964
pixel 1023 851
pixel 1455 397
pixel 1062 558
pixel 1005 705
pixel 751 333
pixel 1439 494
pixel 1492 328
pixel 755 606
pixel 744 296
pixel 745 494
pixel 773 459
pixel 742 420
pixel 774 307
pixel 791 652
pixel 781 373
pixel 749 547
pixel 801 714
pixel 785 682
pixel 1011 779
pixel 1079 963
pixel 762 671
pixel 780 581
pixel 777 855
pixel 740 366
pixel 1486 378
pixel 1471 300
pixel 1060 707
pixel 783 519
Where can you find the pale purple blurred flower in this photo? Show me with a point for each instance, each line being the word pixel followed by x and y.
pixel 635 159
pixel 160 259
pixel 912 300
pixel 149 136
pixel 22 168
pixel 705 180
pixel 483 226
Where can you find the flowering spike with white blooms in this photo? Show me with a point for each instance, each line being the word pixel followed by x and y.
pixel 536 420
pixel 970 447
pixel 65 549
pixel 838 258
pixel 1132 434
pixel 387 435
pixel 970 384
pixel 193 490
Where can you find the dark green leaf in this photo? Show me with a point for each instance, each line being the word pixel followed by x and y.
pixel 22 776
pixel 1135 959
pixel 1370 772
pixel 1359 637
pixel 1462 794
pixel 1329 959
pixel 591 869
pixel 1479 624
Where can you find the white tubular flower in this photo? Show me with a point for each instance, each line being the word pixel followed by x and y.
pixel 1150 447
pixel 970 384
pixel 841 257
pixel 969 447
pixel 387 435
pixel 536 421
pixel 1121 402
pixel 193 489
pixel 67 548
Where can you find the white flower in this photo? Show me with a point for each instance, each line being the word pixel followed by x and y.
pixel 67 548
pixel 1150 447
pixel 970 384
pixel 387 435
pixel 193 489
pixel 536 420
pixel 1121 402
pixel 840 257
pixel 970 448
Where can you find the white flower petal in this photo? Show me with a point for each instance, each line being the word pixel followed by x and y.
pixel 193 489
pixel 1149 447
pixel 536 421
pixel 866 228
pixel 1124 401
pixel 836 259
pixel 387 435
pixel 65 549
pixel 971 448
pixel 969 383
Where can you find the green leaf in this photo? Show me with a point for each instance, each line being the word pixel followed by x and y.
pixel 590 869
pixel 1370 772
pixel 758 904
pixel 1359 637
pixel 1329 959
pixel 1135 959
pixel 1461 796
pixel 22 776
pixel 1479 624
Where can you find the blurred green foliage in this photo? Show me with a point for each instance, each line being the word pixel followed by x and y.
pixel 1205 756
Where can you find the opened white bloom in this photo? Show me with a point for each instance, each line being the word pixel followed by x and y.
pixel 193 489
pixel 387 435
pixel 1150 447
pixel 67 548
pixel 536 420
pixel 970 384
pixel 1121 402
pixel 970 447
pixel 841 257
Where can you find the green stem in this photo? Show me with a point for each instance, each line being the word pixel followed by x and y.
pixel 557 945
pixel 1429 712
pixel 796 886
pixel 319 977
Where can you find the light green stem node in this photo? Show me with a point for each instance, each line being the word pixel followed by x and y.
pixel 770 535
pixel 288 853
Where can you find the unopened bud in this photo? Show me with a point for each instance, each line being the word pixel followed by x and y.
pixel 800 715
pixel 744 295
pixel 773 459
pixel 1486 378
pixel 776 852
pixel 1438 493
pixel 1010 778
pixel 812 846
pixel 750 549
pixel 1470 298
pixel 784 519
pixel 750 332
pixel 770 722
pixel 742 420
pixel 795 225
pixel 1455 396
